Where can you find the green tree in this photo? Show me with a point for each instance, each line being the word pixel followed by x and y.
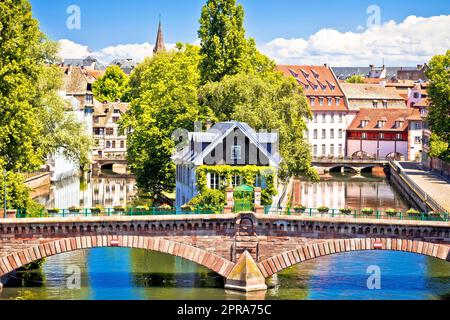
pixel 439 96
pixel 355 79
pixel 164 90
pixel 270 102
pixel 28 96
pixel 112 86
pixel 224 47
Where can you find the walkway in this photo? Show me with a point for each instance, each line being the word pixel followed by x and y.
pixel 435 186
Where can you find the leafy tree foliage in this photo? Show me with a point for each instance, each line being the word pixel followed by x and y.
pixel 164 90
pixel 355 79
pixel 439 95
pixel 32 119
pixel 112 86
pixel 224 47
pixel 272 102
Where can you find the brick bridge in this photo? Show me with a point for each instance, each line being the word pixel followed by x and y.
pixel 243 248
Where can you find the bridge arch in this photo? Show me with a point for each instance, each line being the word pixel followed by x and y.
pixel 33 253
pixel 287 259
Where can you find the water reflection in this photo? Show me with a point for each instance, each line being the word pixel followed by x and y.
pixel 119 273
pixel 102 191
pixel 340 190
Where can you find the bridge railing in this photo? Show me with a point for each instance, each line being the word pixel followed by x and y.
pixel 105 212
pixel 418 190
pixel 386 214
pixel 326 159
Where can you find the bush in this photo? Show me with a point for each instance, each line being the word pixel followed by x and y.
pixel 119 209
pixel 165 207
pixel 346 211
pixel 142 209
pixel 299 208
pixel 96 210
pixel 74 209
pixel 367 211
pixel 391 212
pixel 413 212
pixel 187 207
pixel 209 199
pixel 53 211
pixel 323 209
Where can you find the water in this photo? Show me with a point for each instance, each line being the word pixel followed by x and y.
pixel 118 273
pixel 105 191
pixel 340 190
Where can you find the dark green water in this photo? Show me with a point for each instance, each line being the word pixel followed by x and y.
pixel 116 273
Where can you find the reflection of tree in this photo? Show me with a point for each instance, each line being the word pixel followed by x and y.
pixel 438 277
pixel 158 270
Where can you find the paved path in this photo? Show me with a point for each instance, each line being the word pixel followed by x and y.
pixel 435 186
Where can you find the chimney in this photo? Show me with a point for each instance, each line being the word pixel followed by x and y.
pixel 325 65
pixel 208 124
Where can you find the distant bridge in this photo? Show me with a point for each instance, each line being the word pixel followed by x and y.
pixel 243 248
pixel 355 164
pixel 102 162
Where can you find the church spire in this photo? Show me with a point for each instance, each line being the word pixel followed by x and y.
pixel 159 45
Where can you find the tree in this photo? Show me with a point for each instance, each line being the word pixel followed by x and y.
pixel 439 96
pixel 224 48
pixel 269 102
pixel 355 79
pixel 164 91
pixel 29 95
pixel 112 86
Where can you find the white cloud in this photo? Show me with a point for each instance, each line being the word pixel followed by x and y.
pixel 138 51
pixel 413 41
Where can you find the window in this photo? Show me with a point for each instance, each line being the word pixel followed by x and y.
pixel 381 123
pixel 324 134
pixel 324 149
pixel 385 104
pixel 416 95
pixel 214 181
pixel 116 110
pixel 110 131
pixel 417 140
pixel 330 102
pixel 364 135
pixel 89 98
pixel 398 136
pixel 332 118
pixel 315 118
pixel 315 150
pixel 381 135
pixel 398 123
pixel 331 133
pixel 324 117
pixel 114 144
pixel 375 104
pixel 321 101
pixel 115 119
pixel 236 153
pixel 97 143
pixel 236 181
pixel 364 123
pixel 96 119
pixel 340 134
pixel 340 149
pixel 332 149
pixel 315 134
pixel 307 134
pixel 340 118
pixel 417 126
pixel 108 144
pixel 338 101
pixel 122 144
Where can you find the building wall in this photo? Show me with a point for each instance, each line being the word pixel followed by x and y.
pixel 371 146
pixel 415 140
pixel 328 125
pixel 186 187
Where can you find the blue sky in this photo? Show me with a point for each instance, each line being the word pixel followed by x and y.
pixel 106 23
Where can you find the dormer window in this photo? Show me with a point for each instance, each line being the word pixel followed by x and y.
pixel 398 123
pixel 364 123
pixel 316 75
pixel 375 104
pixel 305 74
pixel 306 87
pixel 385 104
pixel 293 73
pixel 381 123
pixel 316 87
pixel 416 95
pixel 338 101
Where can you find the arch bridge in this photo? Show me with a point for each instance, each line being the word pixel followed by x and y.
pixel 243 248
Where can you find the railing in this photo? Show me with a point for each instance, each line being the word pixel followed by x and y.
pixel 414 187
pixel 326 159
pixel 107 212
pixel 360 214
pixel 30 175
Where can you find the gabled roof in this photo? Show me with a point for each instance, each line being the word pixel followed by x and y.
pixel 388 115
pixel 218 133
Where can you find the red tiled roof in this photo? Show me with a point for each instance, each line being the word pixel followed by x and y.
pixel 388 115
pixel 317 81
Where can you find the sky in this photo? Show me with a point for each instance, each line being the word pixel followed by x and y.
pixel 340 33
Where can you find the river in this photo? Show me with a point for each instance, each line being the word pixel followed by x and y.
pixel 120 273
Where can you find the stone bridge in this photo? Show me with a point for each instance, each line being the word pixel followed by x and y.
pixel 340 165
pixel 243 248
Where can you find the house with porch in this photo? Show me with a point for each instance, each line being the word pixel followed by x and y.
pixel 229 155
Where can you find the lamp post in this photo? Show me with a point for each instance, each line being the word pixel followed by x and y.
pixel 4 193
